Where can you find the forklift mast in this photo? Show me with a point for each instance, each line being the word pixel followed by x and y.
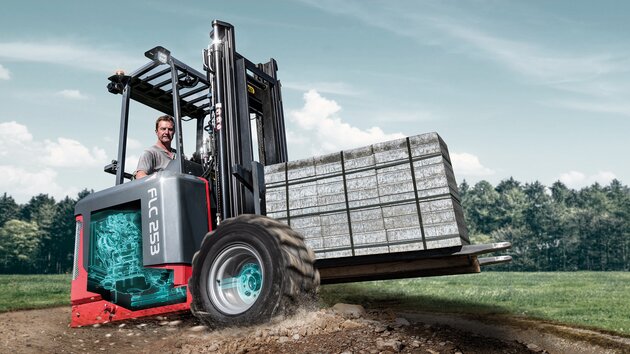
pixel 243 92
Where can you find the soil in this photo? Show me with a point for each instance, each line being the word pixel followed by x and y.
pixel 341 329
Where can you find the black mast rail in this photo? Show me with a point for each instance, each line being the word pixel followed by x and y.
pixel 241 88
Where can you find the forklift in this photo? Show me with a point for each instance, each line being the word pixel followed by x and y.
pixel 195 236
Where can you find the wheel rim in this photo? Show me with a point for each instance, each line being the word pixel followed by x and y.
pixel 235 279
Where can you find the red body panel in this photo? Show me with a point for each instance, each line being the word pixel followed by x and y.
pixel 102 311
pixel 89 308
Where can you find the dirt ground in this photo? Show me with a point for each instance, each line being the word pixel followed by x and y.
pixel 341 329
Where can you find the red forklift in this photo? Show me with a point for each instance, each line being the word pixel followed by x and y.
pixel 198 236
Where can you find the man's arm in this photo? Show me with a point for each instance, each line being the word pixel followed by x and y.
pixel 145 165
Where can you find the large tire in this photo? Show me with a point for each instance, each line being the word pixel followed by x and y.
pixel 250 269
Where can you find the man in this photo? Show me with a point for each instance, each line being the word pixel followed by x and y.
pixel 156 157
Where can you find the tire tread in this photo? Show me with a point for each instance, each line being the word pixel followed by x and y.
pixel 301 278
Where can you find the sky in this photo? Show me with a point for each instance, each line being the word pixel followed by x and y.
pixel 534 90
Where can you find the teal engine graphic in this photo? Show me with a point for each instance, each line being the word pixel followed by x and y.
pixel 115 269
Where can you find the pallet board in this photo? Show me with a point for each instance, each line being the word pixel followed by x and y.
pixel 395 196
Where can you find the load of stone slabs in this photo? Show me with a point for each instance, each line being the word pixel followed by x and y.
pixel 396 196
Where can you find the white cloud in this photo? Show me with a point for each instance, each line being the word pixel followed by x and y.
pixel 323 131
pixel 531 60
pixel 131 162
pixel 70 54
pixel 593 77
pixel 13 134
pixel 5 74
pixel 453 30
pixel 22 184
pixel 576 179
pixel 465 164
pixel 603 177
pixel 71 153
pixel 294 138
pixel 72 94
pixel 30 166
pixel 133 144
pixel 19 147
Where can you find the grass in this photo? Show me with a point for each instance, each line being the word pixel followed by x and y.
pixel 591 299
pixel 22 292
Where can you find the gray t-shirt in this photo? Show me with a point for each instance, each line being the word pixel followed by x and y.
pixel 154 159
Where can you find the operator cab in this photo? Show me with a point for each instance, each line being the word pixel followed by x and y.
pixel 187 101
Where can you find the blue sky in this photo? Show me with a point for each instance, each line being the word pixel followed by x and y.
pixel 537 90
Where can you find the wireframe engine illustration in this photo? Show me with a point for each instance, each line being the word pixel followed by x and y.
pixel 116 271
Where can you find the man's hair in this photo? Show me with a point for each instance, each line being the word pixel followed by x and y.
pixel 165 118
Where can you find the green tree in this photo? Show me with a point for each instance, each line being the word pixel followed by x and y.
pixel 480 210
pixel 511 204
pixel 464 187
pixel 539 218
pixel 563 195
pixel 41 210
pixel 84 193
pixel 619 195
pixel 592 219
pixel 521 249
pixel 554 228
pixel 19 243
pixel 9 209
pixel 62 233
pixel 565 230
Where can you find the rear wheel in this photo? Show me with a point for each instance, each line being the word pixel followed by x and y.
pixel 250 269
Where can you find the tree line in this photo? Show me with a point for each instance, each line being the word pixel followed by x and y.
pixel 37 237
pixel 551 228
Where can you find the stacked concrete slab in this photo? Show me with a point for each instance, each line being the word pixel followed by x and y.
pixel 396 196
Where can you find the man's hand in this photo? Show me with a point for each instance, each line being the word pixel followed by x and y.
pixel 140 174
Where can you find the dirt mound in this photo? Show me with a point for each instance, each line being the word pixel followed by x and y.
pixel 342 329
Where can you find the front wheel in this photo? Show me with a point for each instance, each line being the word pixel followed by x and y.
pixel 249 270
